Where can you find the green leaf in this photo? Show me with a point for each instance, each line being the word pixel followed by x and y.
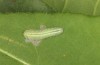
pixel 78 45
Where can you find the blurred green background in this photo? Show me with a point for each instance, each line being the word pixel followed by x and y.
pixel 87 7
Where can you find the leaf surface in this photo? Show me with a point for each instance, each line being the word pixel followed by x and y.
pixel 78 45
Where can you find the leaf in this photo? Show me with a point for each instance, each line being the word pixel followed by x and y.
pixel 78 45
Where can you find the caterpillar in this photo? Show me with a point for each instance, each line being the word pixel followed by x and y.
pixel 35 36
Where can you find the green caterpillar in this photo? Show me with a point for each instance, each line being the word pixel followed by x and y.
pixel 35 36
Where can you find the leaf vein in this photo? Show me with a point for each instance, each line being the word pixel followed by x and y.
pixel 11 40
pixel 14 57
